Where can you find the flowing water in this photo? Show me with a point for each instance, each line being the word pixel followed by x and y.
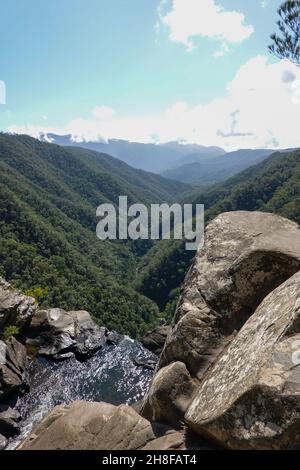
pixel 110 375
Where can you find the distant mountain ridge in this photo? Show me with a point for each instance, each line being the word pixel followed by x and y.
pixel 205 170
pixel 155 158
pixel 192 164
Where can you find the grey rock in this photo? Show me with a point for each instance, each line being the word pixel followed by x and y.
pixel 145 363
pixel 13 367
pixel 60 335
pixel 246 255
pixel 170 394
pixel 15 308
pixel 174 440
pixel 155 339
pixel 113 337
pixel 9 421
pixel 3 442
pixel 250 399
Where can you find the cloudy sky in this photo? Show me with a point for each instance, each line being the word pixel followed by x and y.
pixel 148 71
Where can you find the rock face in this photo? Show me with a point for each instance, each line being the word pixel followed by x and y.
pixel 245 256
pixel 169 395
pixel 13 367
pixel 155 340
pixel 60 335
pixel 15 308
pixel 251 397
pixel 9 421
pixel 234 330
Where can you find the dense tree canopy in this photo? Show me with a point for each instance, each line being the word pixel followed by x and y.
pixel 48 247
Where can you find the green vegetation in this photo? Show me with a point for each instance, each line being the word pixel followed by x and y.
pixel 48 245
pixel 9 332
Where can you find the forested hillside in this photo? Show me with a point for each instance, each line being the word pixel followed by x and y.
pixel 271 186
pixel 48 245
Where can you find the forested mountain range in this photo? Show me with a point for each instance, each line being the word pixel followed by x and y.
pixel 48 247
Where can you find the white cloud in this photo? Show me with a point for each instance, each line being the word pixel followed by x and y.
pixel 224 48
pixel 103 112
pixel 261 106
pixel 188 19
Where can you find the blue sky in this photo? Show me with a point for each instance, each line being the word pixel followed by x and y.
pixel 142 69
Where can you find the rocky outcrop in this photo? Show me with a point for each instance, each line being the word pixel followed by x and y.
pixel 9 421
pixel 245 256
pixel 15 307
pixel 251 397
pixel 169 395
pixel 60 335
pixel 155 339
pixel 234 331
pixel 13 367
pixel 90 426
pixel 101 426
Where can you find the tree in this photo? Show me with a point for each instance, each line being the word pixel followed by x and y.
pixel 287 45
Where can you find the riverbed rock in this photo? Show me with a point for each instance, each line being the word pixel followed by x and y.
pixel 13 367
pixel 9 421
pixel 172 440
pixel 3 442
pixel 60 335
pixel 101 426
pixel 170 394
pixel 15 308
pixel 149 364
pixel 113 337
pixel 155 339
pixel 250 399
pixel 245 256
pixel 90 426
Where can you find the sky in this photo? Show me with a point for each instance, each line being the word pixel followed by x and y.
pixel 147 71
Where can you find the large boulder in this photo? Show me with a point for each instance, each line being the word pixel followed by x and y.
pixel 245 256
pixel 13 367
pixel 170 395
pixel 155 339
pixel 9 421
pixel 60 335
pixel 90 426
pixel 15 307
pixel 250 399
